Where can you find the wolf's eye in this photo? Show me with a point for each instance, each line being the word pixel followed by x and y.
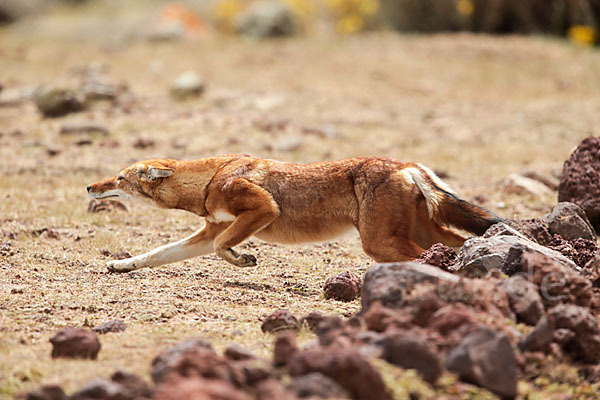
pixel 120 178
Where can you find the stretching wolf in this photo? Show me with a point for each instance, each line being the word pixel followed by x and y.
pixel 399 208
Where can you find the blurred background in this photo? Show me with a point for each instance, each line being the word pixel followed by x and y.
pixel 159 19
pixel 576 19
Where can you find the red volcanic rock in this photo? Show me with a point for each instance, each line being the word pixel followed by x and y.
pixel 237 353
pixel 556 283
pixel 579 181
pixel 343 287
pixel 584 341
pixel 280 320
pixel 170 359
pixel 317 385
pixel 312 320
pixel 48 392
pixel 134 386
pixel 272 389
pixel 284 348
pixel 196 388
pixel 438 255
pixel 75 343
pixel 346 366
pixel 524 299
pixel 410 352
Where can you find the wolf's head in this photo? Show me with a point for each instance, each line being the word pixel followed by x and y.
pixel 140 180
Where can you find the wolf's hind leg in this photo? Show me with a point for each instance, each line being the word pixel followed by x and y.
pixel 197 244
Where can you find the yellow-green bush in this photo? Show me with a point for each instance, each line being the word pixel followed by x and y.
pixel 343 16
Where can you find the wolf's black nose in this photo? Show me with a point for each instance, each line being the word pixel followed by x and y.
pixel 89 188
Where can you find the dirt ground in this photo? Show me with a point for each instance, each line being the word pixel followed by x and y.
pixel 474 108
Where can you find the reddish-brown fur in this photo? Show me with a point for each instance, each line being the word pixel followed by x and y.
pixel 242 196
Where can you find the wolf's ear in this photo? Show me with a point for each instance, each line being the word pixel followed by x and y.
pixel 159 172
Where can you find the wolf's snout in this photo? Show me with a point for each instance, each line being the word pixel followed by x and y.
pixel 89 188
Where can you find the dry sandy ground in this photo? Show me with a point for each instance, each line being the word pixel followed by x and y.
pixel 476 108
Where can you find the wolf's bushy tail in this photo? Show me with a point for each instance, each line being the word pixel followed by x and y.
pixel 446 208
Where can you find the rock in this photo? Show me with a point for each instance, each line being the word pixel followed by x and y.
pixel 343 287
pixel 389 283
pixel 166 361
pixel 550 181
pixel 266 19
pixel 412 353
pixel 255 371
pixel 316 385
pixel 326 132
pixel 272 389
pixel 48 392
pixel 114 325
pixel 135 386
pixel 556 283
pixel 480 255
pixel 570 222
pixel 284 348
pixel 524 299
pixel 187 85
pixel 280 320
pixel 329 328
pixel 438 255
pixel 196 388
pixel 143 143
pixel 313 319
pixel 83 128
pixel 534 229
pixel 519 184
pixel 580 251
pixel 584 344
pixel 286 143
pixel 579 181
pixel 591 269
pixel 75 343
pixel 95 206
pixel 451 317
pixel 486 358
pixel 236 352
pixel 131 388
pixel 346 366
pixel 56 102
pixel 540 337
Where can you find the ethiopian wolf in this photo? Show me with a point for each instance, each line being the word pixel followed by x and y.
pixel 399 208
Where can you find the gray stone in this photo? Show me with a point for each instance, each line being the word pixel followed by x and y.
pixel 267 19
pixel 412 353
pixel 503 252
pixel 389 283
pixel 570 222
pixel 56 102
pixel 540 337
pixel 524 299
pixel 486 358
pixel 187 85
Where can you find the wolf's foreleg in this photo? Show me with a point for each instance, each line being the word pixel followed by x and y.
pixel 197 244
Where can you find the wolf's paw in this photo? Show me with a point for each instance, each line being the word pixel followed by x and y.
pixel 247 260
pixel 120 266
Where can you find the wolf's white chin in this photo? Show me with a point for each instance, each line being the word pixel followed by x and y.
pixel 111 194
